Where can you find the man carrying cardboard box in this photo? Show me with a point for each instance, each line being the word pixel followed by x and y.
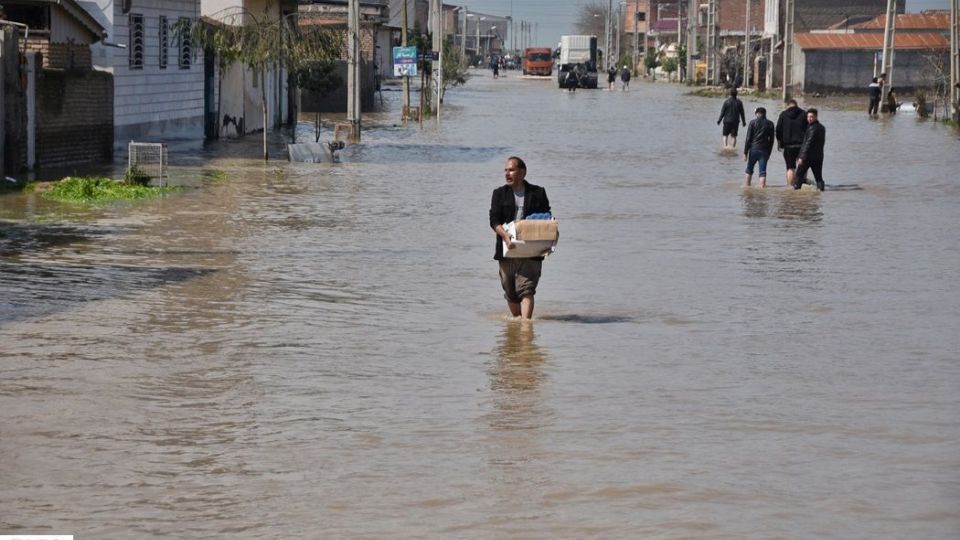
pixel 512 202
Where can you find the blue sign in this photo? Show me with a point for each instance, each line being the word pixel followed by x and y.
pixel 404 61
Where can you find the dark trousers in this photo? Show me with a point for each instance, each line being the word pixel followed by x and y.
pixel 816 165
pixel 874 106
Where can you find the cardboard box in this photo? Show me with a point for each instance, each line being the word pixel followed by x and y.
pixel 537 229
pixel 529 247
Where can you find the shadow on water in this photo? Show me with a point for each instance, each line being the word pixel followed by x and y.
pixel 425 153
pixel 37 289
pixel 588 319
pixel 17 238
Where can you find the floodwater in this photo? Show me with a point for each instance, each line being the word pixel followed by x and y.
pixel 321 351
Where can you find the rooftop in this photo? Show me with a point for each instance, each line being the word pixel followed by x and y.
pixel 830 40
pixel 929 20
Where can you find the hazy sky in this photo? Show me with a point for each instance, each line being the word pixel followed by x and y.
pixel 557 17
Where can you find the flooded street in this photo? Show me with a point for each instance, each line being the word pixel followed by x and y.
pixel 321 351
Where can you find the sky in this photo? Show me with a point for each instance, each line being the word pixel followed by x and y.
pixel 555 18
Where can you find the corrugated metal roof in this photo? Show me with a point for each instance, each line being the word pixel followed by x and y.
pixel 826 40
pixel 910 21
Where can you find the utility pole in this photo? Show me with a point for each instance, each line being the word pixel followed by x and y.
pixel 406 78
pixel 636 36
pixel 788 50
pixel 438 49
pixel 463 36
pixel 353 70
pixel 616 59
pixel 693 12
pixel 954 108
pixel 606 36
pixel 746 49
pixel 713 68
pixel 478 39
pixel 679 37
pixel 889 37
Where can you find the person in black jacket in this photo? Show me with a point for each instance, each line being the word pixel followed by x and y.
pixel 791 125
pixel 875 92
pixel 731 114
pixel 513 201
pixel 758 145
pixel 811 151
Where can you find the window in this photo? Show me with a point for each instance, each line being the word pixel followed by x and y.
pixel 136 41
pixel 186 48
pixel 164 36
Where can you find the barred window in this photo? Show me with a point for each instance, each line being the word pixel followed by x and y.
pixel 136 45
pixel 164 42
pixel 186 48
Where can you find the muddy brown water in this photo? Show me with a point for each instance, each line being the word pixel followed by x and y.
pixel 321 351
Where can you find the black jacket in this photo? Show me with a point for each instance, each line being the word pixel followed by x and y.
pixel 791 125
pixel 813 140
pixel 759 135
pixel 732 111
pixel 503 207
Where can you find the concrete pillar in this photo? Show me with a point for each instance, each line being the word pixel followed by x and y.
pixel 33 67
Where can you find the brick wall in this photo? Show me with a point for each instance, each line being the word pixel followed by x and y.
pixel 733 15
pixel 70 55
pixel 75 117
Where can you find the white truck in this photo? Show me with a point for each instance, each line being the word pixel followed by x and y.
pixel 578 62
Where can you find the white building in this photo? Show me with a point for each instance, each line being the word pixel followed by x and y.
pixel 158 76
pixel 238 88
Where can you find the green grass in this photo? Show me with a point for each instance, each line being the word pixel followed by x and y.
pixel 92 190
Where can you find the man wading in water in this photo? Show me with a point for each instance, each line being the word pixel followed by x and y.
pixel 513 201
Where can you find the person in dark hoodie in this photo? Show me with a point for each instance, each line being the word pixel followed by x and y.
pixel 875 91
pixel 811 151
pixel 791 126
pixel 758 145
pixel 731 114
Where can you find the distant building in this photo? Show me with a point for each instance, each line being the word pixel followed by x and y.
pixel 846 60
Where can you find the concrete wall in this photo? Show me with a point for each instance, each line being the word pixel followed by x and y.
pixel 851 71
pixel 75 117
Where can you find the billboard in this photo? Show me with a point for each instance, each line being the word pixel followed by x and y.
pixel 404 61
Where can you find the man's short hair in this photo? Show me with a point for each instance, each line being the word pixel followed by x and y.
pixel 733 92
pixel 812 111
pixel 874 79
pixel 520 164
pixel 791 102
pixel 761 111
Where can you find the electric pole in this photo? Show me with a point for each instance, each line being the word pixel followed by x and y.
pixel 463 36
pixel 693 14
pixel 353 70
pixel 616 58
pixel 889 36
pixel 713 67
pixel 636 36
pixel 788 50
pixel 606 36
pixel 746 49
pixel 955 59
pixel 406 78
pixel 438 49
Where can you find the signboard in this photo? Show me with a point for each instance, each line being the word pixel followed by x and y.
pixel 404 61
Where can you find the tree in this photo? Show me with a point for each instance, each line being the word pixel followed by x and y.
pixel 670 66
pixel 651 61
pixel 454 67
pixel 592 19
pixel 319 77
pixel 262 43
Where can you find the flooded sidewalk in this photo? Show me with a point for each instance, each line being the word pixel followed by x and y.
pixel 322 349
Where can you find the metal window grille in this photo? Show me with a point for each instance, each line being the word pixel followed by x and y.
pixel 186 47
pixel 164 42
pixel 148 159
pixel 136 41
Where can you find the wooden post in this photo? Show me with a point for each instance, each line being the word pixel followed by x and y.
pixel 746 49
pixel 353 69
pixel 788 50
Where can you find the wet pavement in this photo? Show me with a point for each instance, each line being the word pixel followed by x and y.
pixel 322 350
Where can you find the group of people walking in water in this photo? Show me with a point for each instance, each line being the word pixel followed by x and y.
pixel 624 78
pixel 798 134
